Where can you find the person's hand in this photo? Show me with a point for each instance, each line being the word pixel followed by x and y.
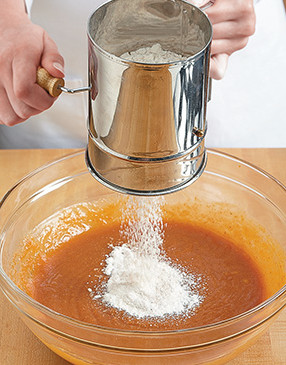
pixel 24 46
pixel 233 23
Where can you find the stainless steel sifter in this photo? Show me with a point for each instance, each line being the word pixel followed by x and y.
pixel 147 122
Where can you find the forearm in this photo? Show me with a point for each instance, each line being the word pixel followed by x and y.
pixel 12 6
pixel 12 11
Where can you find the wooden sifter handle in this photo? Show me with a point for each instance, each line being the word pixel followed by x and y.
pixel 49 83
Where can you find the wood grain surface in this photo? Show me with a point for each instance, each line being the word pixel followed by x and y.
pixel 18 346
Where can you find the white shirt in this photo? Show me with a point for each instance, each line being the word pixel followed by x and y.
pixel 248 107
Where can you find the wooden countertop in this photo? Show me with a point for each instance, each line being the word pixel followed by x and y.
pixel 18 346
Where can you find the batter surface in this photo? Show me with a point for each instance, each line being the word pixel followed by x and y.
pixel 231 283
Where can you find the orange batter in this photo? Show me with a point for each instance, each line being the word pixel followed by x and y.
pixel 60 277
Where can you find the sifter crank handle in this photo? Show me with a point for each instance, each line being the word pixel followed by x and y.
pixel 55 86
pixel 51 84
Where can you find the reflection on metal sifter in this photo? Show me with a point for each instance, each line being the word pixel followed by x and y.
pixel 147 122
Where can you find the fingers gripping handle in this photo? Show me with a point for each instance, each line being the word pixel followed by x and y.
pixel 51 84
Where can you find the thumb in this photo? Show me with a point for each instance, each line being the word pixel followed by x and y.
pixel 218 66
pixel 52 61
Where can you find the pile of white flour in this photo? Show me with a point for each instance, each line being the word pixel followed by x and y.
pixel 154 54
pixel 142 281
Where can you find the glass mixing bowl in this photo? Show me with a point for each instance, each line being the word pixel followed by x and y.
pixel 228 183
